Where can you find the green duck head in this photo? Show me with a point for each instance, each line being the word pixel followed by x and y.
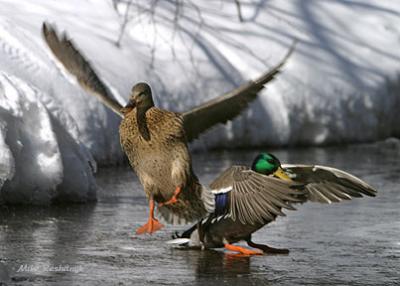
pixel 141 98
pixel 268 164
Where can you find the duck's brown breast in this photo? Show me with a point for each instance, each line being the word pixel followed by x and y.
pixel 162 162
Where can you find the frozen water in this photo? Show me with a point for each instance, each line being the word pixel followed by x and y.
pixel 351 243
pixel 4 275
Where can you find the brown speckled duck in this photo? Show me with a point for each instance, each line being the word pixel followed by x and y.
pixel 155 143
pixel 155 140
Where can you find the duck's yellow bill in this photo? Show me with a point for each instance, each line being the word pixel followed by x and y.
pixel 282 175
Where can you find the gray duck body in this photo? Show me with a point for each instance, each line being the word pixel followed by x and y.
pixel 226 230
pixel 246 200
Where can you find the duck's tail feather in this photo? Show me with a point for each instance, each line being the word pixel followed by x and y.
pixel 167 216
pixel 179 241
pixel 200 206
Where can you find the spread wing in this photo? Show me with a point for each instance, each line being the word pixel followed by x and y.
pixel 229 105
pixel 64 49
pixel 327 185
pixel 252 197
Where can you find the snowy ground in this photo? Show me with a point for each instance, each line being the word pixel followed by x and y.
pixel 341 84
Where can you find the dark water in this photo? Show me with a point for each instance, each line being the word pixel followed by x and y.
pixel 352 243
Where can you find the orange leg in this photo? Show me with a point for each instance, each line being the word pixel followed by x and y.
pixel 243 250
pixel 152 224
pixel 173 199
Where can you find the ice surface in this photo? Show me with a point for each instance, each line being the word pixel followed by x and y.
pixel 340 85
pixel 4 275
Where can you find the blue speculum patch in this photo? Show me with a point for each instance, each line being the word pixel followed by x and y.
pixel 221 201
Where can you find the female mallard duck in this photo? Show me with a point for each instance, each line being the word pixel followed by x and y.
pixel 155 140
pixel 247 199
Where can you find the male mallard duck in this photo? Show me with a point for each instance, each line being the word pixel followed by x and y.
pixel 155 140
pixel 246 199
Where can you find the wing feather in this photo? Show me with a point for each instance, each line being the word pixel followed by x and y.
pixel 229 105
pixel 338 191
pixel 328 185
pixel 73 60
pixel 256 198
pixel 330 195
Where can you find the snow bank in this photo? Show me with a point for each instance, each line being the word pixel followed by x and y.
pixel 341 84
pixel 40 162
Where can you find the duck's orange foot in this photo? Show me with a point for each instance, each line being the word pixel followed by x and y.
pixel 173 199
pixel 150 227
pixel 169 202
pixel 243 250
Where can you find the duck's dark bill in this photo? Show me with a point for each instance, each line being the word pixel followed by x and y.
pixel 129 106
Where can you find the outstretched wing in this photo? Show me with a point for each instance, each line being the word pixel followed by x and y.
pixel 328 185
pixel 229 105
pixel 77 65
pixel 252 197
